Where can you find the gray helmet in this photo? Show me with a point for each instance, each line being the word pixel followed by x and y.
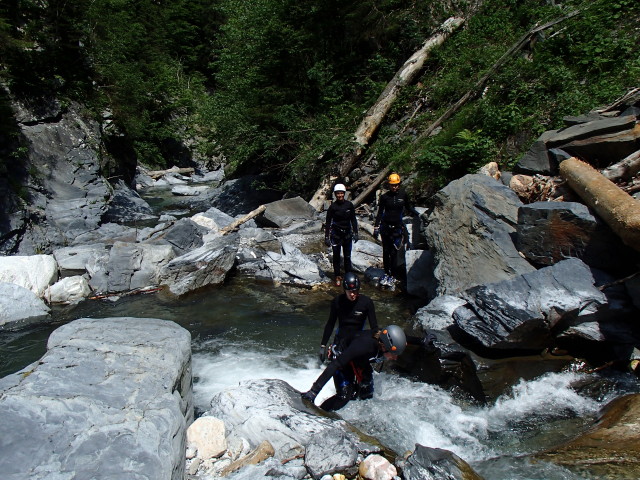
pixel 351 281
pixel 393 339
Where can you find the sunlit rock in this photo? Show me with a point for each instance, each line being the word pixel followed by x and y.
pixel 33 272
pixel 19 305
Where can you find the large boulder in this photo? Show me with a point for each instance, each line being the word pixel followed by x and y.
pixel 111 398
pixel 436 464
pixel 523 312
pixel 33 272
pixel 283 213
pixel 469 231
pixel 127 206
pixel 548 232
pixel 19 306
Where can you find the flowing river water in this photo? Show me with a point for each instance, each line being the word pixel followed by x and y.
pixel 245 330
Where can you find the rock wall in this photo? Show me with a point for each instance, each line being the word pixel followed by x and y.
pixel 111 398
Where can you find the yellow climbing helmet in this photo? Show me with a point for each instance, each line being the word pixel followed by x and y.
pixel 394 179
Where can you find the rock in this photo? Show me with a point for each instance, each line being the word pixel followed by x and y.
pixel 438 314
pixel 272 410
pixel 420 279
pixel 207 436
pixel 107 233
pixel 117 397
pixel 184 235
pixel 364 255
pixel 611 447
pixel 437 464
pixel 331 452
pixel 129 266
pixel 34 272
pixel 548 232
pixel 68 290
pixel 376 467
pixel 19 306
pixel 76 259
pixel 522 312
pixel 240 196
pixel 207 265
pixel 469 231
pixel 291 267
pixel 127 206
pixel 283 213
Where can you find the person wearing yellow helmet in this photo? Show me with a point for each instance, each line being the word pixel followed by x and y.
pixel 341 229
pixel 391 228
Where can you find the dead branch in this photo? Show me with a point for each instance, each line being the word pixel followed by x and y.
pixel 625 169
pixel 155 174
pixel 234 225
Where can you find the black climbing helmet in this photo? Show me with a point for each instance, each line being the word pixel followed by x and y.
pixel 351 282
pixel 393 339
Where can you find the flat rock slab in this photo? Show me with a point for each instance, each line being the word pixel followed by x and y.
pixel 110 399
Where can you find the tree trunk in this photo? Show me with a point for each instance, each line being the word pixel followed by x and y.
pixel 625 169
pixel 375 115
pixel 233 225
pixel 155 174
pixel 618 209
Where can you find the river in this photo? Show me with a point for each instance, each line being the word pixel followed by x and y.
pixel 246 330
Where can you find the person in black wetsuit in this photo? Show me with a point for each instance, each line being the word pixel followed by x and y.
pixel 341 228
pixel 390 227
pixel 365 346
pixel 351 311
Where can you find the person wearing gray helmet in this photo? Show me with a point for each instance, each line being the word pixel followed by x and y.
pixel 365 347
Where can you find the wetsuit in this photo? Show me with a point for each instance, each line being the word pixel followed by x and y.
pixel 351 317
pixel 393 231
pixel 354 361
pixel 341 226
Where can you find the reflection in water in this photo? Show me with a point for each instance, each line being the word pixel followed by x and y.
pixel 246 330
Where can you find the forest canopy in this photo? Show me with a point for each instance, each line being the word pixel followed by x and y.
pixel 280 86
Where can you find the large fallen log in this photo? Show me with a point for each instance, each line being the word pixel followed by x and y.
pixel 235 224
pixel 155 174
pixel 617 208
pixel 376 114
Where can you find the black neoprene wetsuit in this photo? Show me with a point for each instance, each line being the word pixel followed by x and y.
pixel 362 348
pixel 351 317
pixel 393 232
pixel 340 226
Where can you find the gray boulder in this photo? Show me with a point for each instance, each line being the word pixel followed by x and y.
pixel 127 206
pixel 420 279
pixel 128 266
pixel 283 213
pixel 33 272
pixel 272 410
pixel 20 306
pixel 207 265
pixel 111 398
pixel 76 259
pixel 522 312
pixel 436 464
pixel 469 231
pixel 107 233
pixel 548 232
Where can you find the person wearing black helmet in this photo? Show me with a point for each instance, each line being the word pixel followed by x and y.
pixel 341 228
pixel 351 311
pixel 365 346
pixel 389 225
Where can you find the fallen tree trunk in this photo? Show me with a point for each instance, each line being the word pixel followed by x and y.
pixel 618 209
pixel 155 174
pixel 475 90
pixel 376 114
pixel 625 169
pixel 234 225
pixel 376 181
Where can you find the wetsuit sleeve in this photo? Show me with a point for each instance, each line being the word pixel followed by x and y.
pixel 354 220
pixel 373 320
pixel 331 322
pixel 329 220
pixel 380 211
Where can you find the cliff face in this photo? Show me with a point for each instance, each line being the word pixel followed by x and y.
pixel 55 191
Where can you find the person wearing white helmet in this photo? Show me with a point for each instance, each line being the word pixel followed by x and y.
pixel 341 228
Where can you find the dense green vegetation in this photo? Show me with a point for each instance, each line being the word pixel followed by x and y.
pixel 280 86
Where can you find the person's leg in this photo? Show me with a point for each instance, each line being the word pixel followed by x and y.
pixel 343 381
pixel 346 250
pixel 388 251
pixel 336 258
pixel 366 383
